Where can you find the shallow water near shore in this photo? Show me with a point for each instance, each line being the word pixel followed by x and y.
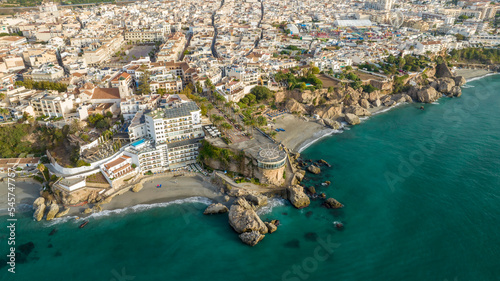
pixel 421 191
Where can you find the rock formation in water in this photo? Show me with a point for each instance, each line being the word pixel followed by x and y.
pixel 352 119
pixel 53 210
pixel 39 206
pixel 64 212
pixel 243 218
pixel 251 238
pixel 331 203
pixel 314 169
pixel 216 208
pixel 297 197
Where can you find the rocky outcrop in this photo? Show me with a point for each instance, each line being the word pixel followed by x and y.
pixel 331 203
pixel 460 81
pixel 62 213
pixel 258 200
pixel 314 169
pixel 456 91
pixel 407 98
pixel 298 176
pixel 54 209
pixel 327 112
pixel 364 103
pixel 377 103
pixel 243 218
pixel 271 227
pixel 352 119
pixel 216 208
pixel 295 106
pixel 358 110
pixel 445 85
pixel 39 206
pixel 389 103
pixel 375 95
pixel 38 215
pixel 400 98
pixel 332 124
pixel 137 187
pixel 442 70
pixel 297 197
pixel 311 190
pixel 428 95
pixel 38 202
pixel 251 238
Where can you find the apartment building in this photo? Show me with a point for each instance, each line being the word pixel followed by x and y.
pixel 172 49
pixel 99 52
pixel 245 75
pixel 431 46
pixel 149 35
pixel 38 56
pixel 130 106
pixel 168 137
pixel 45 104
pixel 166 81
pixel 11 63
pixel 490 40
pixel 47 72
pixel 118 168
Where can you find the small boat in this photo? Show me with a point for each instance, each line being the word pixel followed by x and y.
pixel 84 224
pixel 338 224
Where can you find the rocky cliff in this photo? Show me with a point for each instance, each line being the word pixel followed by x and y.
pixel 348 104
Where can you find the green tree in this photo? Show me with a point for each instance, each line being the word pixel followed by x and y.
pixel 262 121
pixel 144 87
pixel 261 93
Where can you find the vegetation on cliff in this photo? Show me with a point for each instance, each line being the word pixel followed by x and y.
pixel 29 139
pixel 210 152
pixel 476 55
pixel 18 140
pixel 392 64
pixel 300 82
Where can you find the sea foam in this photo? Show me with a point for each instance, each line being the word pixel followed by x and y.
pixel 271 203
pixel 131 209
pixel 317 136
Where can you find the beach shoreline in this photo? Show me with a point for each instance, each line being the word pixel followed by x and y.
pixel 469 73
pixel 300 134
pixel 173 189
pixel 305 133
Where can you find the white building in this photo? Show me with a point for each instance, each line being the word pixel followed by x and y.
pixel 51 105
pixel 166 138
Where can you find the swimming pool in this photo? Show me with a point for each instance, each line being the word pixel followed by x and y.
pixel 137 143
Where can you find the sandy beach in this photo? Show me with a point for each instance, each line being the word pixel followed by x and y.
pixel 298 132
pixel 26 191
pixel 172 189
pixel 471 73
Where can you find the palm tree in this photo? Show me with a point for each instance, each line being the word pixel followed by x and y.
pixel 42 168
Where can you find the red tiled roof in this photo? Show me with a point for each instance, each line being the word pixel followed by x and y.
pixel 106 93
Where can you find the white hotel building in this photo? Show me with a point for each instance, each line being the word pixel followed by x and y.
pixel 166 138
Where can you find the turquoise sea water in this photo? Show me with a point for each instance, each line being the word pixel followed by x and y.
pixel 421 191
